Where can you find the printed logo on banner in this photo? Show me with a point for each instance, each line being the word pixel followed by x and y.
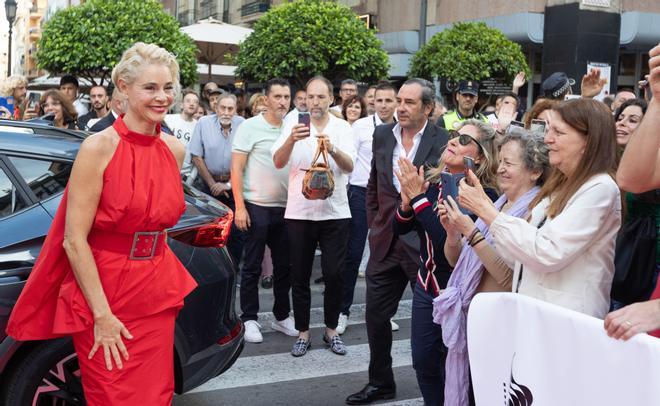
pixel 516 394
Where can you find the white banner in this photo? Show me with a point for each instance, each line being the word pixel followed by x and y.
pixel 527 352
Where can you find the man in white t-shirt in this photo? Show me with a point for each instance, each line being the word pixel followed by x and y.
pixel 300 103
pixel 260 195
pixel 363 130
pixel 183 124
pixel 312 222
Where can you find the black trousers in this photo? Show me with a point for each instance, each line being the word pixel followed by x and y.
pixel 386 282
pixel 304 235
pixel 267 227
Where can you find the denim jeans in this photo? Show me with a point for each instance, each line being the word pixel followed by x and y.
pixel 356 242
pixel 428 351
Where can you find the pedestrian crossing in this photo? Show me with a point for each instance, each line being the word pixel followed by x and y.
pixel 266 374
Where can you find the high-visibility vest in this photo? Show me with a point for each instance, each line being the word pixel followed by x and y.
pixel 453 119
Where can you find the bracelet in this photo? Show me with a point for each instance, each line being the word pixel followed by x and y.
pixel 477 241
pixel 472 234
pixel 474 238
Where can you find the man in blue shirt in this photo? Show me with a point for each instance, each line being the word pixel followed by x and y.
pixel 210 147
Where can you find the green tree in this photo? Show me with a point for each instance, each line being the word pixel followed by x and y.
pixel 88 40
pixel 304 38
pixel 469 51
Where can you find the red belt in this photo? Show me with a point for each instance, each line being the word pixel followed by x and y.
pixel 138 246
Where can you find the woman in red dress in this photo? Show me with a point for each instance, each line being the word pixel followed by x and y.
pixel 105 275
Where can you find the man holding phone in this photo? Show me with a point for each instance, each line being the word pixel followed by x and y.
pixel 312 222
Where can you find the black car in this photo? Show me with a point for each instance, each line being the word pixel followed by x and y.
pixel 35 163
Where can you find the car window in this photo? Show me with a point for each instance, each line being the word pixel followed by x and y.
pixel 10 200
pixel 45 178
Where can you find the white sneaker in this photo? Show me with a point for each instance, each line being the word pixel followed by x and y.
pixel 342 323
pixel 252 332
pixel 286 326
pixel 395 327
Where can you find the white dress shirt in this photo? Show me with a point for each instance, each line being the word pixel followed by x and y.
pixel 363 133
pixel 569 260
pixel 400 151
pixel 336 206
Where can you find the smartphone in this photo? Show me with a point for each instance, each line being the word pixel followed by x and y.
pixel 304 118
pixel 450 184
pixel 7 103
pixel 537 126
pixel 517 124
pixel 469 163
pixel 33 98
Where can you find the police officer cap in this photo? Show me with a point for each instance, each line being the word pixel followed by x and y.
pixel 468 87
pixel 556 85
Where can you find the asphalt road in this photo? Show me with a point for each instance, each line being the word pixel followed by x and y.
pixel 267 374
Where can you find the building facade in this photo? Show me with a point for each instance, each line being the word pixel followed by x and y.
pixel 26 33
pixel 554 34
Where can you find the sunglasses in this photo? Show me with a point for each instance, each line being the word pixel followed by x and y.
pixel 465 139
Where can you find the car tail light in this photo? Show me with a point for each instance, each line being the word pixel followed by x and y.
pixel 214 234
pixel 232 334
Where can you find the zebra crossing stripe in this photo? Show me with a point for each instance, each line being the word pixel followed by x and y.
pixel 319 362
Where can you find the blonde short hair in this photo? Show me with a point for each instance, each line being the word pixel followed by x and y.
pixel 142 54
pixel 8 85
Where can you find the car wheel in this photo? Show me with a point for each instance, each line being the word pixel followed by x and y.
pixel 48 375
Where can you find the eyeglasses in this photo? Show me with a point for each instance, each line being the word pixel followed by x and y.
pixel 465 139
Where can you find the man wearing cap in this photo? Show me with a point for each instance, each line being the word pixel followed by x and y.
pixel 466 100
pixel 557 86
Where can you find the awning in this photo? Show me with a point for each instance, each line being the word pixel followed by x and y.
pixel 215 39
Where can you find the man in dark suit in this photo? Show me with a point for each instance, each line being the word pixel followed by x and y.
pixel 117 108
pixel 394 260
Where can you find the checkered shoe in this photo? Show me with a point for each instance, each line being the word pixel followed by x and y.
pixel 300 347
pixel 335 343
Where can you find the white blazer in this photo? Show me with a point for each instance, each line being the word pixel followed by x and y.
pixel 569 260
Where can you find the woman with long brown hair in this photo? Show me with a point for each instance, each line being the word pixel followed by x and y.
pixel 567 247
pixel 54 102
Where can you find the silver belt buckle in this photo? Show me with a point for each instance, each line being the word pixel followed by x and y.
pixel 136 236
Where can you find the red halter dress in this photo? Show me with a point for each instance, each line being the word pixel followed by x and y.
pixel 144 282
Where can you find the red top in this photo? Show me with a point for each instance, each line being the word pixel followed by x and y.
pixel 141 192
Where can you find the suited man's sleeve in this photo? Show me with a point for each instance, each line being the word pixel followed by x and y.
pixel 372 184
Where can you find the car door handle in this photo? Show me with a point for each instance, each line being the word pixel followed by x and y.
pixel 12 272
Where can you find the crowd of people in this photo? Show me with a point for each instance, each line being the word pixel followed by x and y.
pixel 450 203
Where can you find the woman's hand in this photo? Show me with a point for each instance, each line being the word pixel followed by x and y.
pixel 108 332
pixel 475 199
pixel 411 179
pixel 456 220
pixel 633 319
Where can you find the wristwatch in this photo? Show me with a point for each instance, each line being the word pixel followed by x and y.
pixel 333 150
